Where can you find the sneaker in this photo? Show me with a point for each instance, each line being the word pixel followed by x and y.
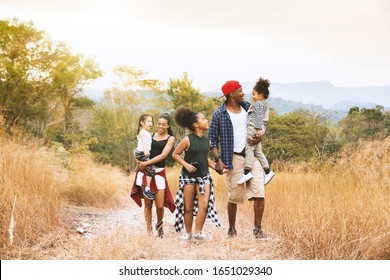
pixel 186 237
pixel 244 178
pixel 268 177
pixel 259 233
pixel 232 232
pixel 201 236
pixel 149 195
pixel 159 229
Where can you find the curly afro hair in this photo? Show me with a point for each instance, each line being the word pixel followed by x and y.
pixel 185 117
pixel 262 86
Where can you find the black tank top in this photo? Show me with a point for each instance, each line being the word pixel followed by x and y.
pixel 157 148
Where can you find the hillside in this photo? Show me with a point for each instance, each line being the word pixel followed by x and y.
pixel 321 97
pixel 283 107
pixel 324 93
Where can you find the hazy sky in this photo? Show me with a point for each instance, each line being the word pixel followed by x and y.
pixel 344 41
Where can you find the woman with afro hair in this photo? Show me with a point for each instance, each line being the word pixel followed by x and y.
pixel 195 196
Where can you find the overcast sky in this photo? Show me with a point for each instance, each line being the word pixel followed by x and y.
pixel 344 41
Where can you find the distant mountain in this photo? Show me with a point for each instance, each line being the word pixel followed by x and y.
pixel 346 105
pixel 324 93
pixel 321 97
pixel 380 95
pixel 283 107
pixel 318 93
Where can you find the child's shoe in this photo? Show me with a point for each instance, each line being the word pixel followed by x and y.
pixel 186 237
pixel 201 236
pixel 268 177
pixel 149 195
pixel 245 177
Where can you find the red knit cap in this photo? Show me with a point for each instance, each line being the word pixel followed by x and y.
pixel 229 87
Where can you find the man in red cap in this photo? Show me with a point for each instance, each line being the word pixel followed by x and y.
pixel 228 131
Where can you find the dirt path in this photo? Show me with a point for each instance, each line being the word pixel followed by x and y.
pixel 120 233
pixel 91 222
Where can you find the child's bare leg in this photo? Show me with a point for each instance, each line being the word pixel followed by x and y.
pixel 148 180
pixel 147 192
pixel 203 201
pixel 189 196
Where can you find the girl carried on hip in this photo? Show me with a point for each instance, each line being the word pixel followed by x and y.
pixel 142 152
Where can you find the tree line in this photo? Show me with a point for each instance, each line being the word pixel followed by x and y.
pixel 41 96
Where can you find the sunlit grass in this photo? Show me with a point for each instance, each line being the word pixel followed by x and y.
pixel 28 178
pixel 96 185
pixel 34 183
pixel 339 212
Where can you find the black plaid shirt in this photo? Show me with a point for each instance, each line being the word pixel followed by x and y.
pixel 221 131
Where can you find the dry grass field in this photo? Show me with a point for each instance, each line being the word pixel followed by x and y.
pixel 340 212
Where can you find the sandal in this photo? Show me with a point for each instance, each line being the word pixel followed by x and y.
pixel 159 229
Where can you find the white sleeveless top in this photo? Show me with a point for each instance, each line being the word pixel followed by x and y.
pixel 148 138
pixel 239 129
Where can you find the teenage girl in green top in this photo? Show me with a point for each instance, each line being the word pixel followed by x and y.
pixel 195 195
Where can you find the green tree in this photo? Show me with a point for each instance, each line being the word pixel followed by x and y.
pixel 36 76
pixel 353 111
pixel 69 76
pixel 365 123
pixel 115 131
pixel 115 119
pixel 181 92
pixel 26 57
pixel 131 88
pixel 298 136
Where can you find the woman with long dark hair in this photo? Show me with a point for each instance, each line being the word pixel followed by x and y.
pixel 162 144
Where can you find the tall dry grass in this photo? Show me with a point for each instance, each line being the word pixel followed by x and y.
pixel 339 212
pixel 26 180
pixel 342 212
pixel 34 183
pixel 91 184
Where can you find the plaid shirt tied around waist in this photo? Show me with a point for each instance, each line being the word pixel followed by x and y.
pixel 179 213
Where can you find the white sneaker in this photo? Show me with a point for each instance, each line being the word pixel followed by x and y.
pixel 201 236
pixel 268 177
pixel 244 178
pixel 186 237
